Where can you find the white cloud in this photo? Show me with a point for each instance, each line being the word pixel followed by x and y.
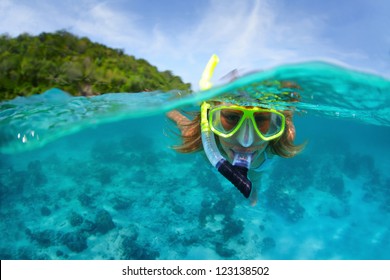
pixel 261 34
pixel 249 34
pixel 17 18
pixel 106 24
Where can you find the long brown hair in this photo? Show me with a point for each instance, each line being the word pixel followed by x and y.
pixel 283 146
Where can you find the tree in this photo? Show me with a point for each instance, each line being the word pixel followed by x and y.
pixel 32 64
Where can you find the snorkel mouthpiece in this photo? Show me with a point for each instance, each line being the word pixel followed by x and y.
pixel 242 159
pixel 237 175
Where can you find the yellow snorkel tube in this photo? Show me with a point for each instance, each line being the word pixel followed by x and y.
pixel 237 175
pixel 205 80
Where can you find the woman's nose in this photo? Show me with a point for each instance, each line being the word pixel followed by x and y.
pixel 245 134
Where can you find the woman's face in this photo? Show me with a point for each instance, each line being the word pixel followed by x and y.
pixel 245 140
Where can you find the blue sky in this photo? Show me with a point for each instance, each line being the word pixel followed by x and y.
pixel 181 35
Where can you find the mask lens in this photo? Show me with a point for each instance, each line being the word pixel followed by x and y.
pixel 268 123
pixel 226 120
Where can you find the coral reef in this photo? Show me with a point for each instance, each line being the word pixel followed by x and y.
pixel 223 251
pixel 103 222
pixel 133 250
pixel 45 211
pixel 94 196
pixel 76 241
pixel 75 219
pixel 45 238
pixel 231 228
pixel 267 244
pixel 284 203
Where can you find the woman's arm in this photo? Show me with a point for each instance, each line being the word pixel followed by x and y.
pixel 183 123
pixel 178 117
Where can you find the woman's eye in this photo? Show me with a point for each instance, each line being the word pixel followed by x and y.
pixel 231 117
pixel 263 117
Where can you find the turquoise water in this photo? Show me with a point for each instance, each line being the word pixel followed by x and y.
pixel 94 178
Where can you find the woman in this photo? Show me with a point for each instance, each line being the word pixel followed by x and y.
pixel 237 138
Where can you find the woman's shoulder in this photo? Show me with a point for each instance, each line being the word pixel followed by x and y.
pixel 269 153
pixel 269 158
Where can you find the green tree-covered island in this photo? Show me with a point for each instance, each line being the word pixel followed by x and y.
pixel 34 64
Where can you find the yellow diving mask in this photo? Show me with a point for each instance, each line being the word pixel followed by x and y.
pixel 225 120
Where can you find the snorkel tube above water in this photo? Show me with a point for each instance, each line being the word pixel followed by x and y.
pixel 237 172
